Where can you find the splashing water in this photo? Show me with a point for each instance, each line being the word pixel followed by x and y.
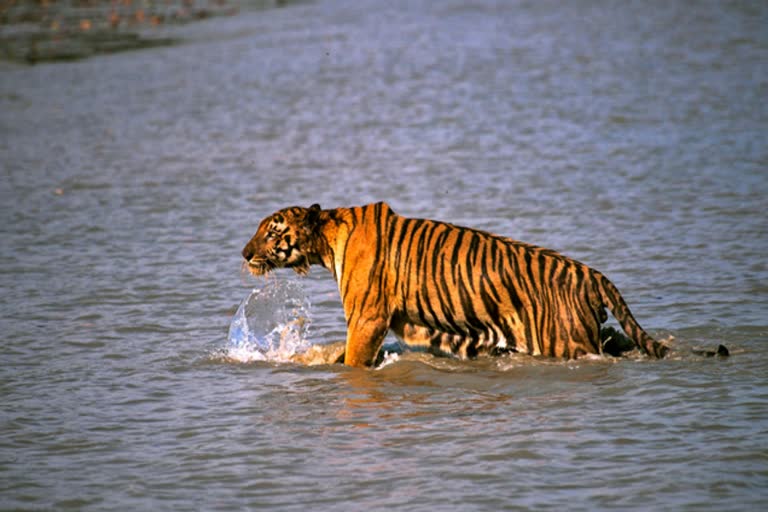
pixel 271 324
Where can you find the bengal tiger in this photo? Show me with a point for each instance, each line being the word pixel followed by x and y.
pixel 447 288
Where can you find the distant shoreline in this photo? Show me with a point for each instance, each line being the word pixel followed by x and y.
pixel 37 31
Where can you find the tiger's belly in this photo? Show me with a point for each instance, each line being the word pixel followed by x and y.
pixel 445 343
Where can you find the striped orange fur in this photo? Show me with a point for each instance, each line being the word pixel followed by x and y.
pixel 448 288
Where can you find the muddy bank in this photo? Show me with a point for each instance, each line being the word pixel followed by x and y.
pixel 33 31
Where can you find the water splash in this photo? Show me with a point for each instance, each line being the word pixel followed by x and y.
pixel 388 359
pixel 271 324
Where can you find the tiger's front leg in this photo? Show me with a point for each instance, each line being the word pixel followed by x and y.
pixel 364 339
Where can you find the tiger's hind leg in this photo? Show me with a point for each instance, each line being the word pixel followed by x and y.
pixel 614 342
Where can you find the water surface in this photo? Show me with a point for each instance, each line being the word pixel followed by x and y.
pixel 630 136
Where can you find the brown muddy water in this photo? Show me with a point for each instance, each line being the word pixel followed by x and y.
pixel 628 135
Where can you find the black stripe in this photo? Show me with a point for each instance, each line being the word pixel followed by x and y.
pixel 410 226
pixel 428 268
pixel 456 251
pixel 378 259
pixel 489 299
pixel 474 324
pixel 448 308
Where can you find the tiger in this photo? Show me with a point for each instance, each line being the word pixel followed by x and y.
pixel 446 288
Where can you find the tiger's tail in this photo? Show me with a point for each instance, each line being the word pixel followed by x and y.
pixel 611 298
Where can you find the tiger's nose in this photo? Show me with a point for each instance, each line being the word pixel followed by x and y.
pixel 247 252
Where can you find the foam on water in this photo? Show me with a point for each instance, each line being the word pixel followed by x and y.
pixel 388 359
pixel 271 324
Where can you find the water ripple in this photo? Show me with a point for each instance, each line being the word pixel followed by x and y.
pixel 629 138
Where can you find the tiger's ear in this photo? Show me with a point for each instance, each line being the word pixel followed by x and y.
pixel 313 217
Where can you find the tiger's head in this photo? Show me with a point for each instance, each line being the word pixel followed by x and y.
pixel 285 239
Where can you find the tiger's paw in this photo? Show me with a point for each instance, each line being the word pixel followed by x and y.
pixel 657 350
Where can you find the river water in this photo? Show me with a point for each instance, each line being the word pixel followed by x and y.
pixel 628 135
